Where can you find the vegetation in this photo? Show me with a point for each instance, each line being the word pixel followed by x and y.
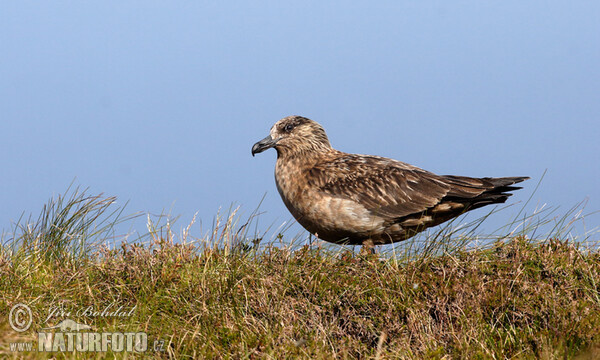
pixel 228 295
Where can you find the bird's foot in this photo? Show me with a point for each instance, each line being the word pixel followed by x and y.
pixel 368 248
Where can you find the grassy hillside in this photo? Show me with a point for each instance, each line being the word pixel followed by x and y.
pixel 224 297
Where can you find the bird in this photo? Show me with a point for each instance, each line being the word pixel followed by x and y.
pixel 367 200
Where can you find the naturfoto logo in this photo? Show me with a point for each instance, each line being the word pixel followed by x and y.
pixel 70 335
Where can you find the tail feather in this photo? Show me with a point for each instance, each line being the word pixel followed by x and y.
pixel 503 184
pixel 477 192
pixel 465 194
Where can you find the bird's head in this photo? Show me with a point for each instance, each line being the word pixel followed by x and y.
pixel 294 135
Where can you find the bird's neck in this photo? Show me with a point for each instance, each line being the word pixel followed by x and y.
pixel 305 158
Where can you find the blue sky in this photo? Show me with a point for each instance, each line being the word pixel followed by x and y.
pixel 159 103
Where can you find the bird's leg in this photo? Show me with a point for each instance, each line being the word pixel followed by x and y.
pixel 368 247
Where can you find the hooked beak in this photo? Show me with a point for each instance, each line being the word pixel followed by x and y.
pixel 263 145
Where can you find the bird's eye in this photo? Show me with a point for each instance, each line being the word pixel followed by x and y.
pixel 288 127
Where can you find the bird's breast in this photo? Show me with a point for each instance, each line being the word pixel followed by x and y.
pixel 329 217
pixel 292 186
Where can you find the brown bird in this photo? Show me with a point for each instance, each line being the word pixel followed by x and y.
pixel 366 200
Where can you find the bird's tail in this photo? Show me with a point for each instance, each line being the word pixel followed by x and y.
pixel 478 192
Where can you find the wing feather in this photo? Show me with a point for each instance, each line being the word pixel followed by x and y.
pixel 387 188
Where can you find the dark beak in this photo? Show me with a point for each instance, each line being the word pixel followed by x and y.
pixel 263 145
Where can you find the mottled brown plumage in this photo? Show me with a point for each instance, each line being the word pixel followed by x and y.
pixel 361 199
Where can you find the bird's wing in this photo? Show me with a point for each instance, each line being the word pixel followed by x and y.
pixel 388 188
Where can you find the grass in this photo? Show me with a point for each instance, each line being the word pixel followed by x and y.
pixel 230 295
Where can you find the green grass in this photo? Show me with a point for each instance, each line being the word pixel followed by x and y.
pixel 227 295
